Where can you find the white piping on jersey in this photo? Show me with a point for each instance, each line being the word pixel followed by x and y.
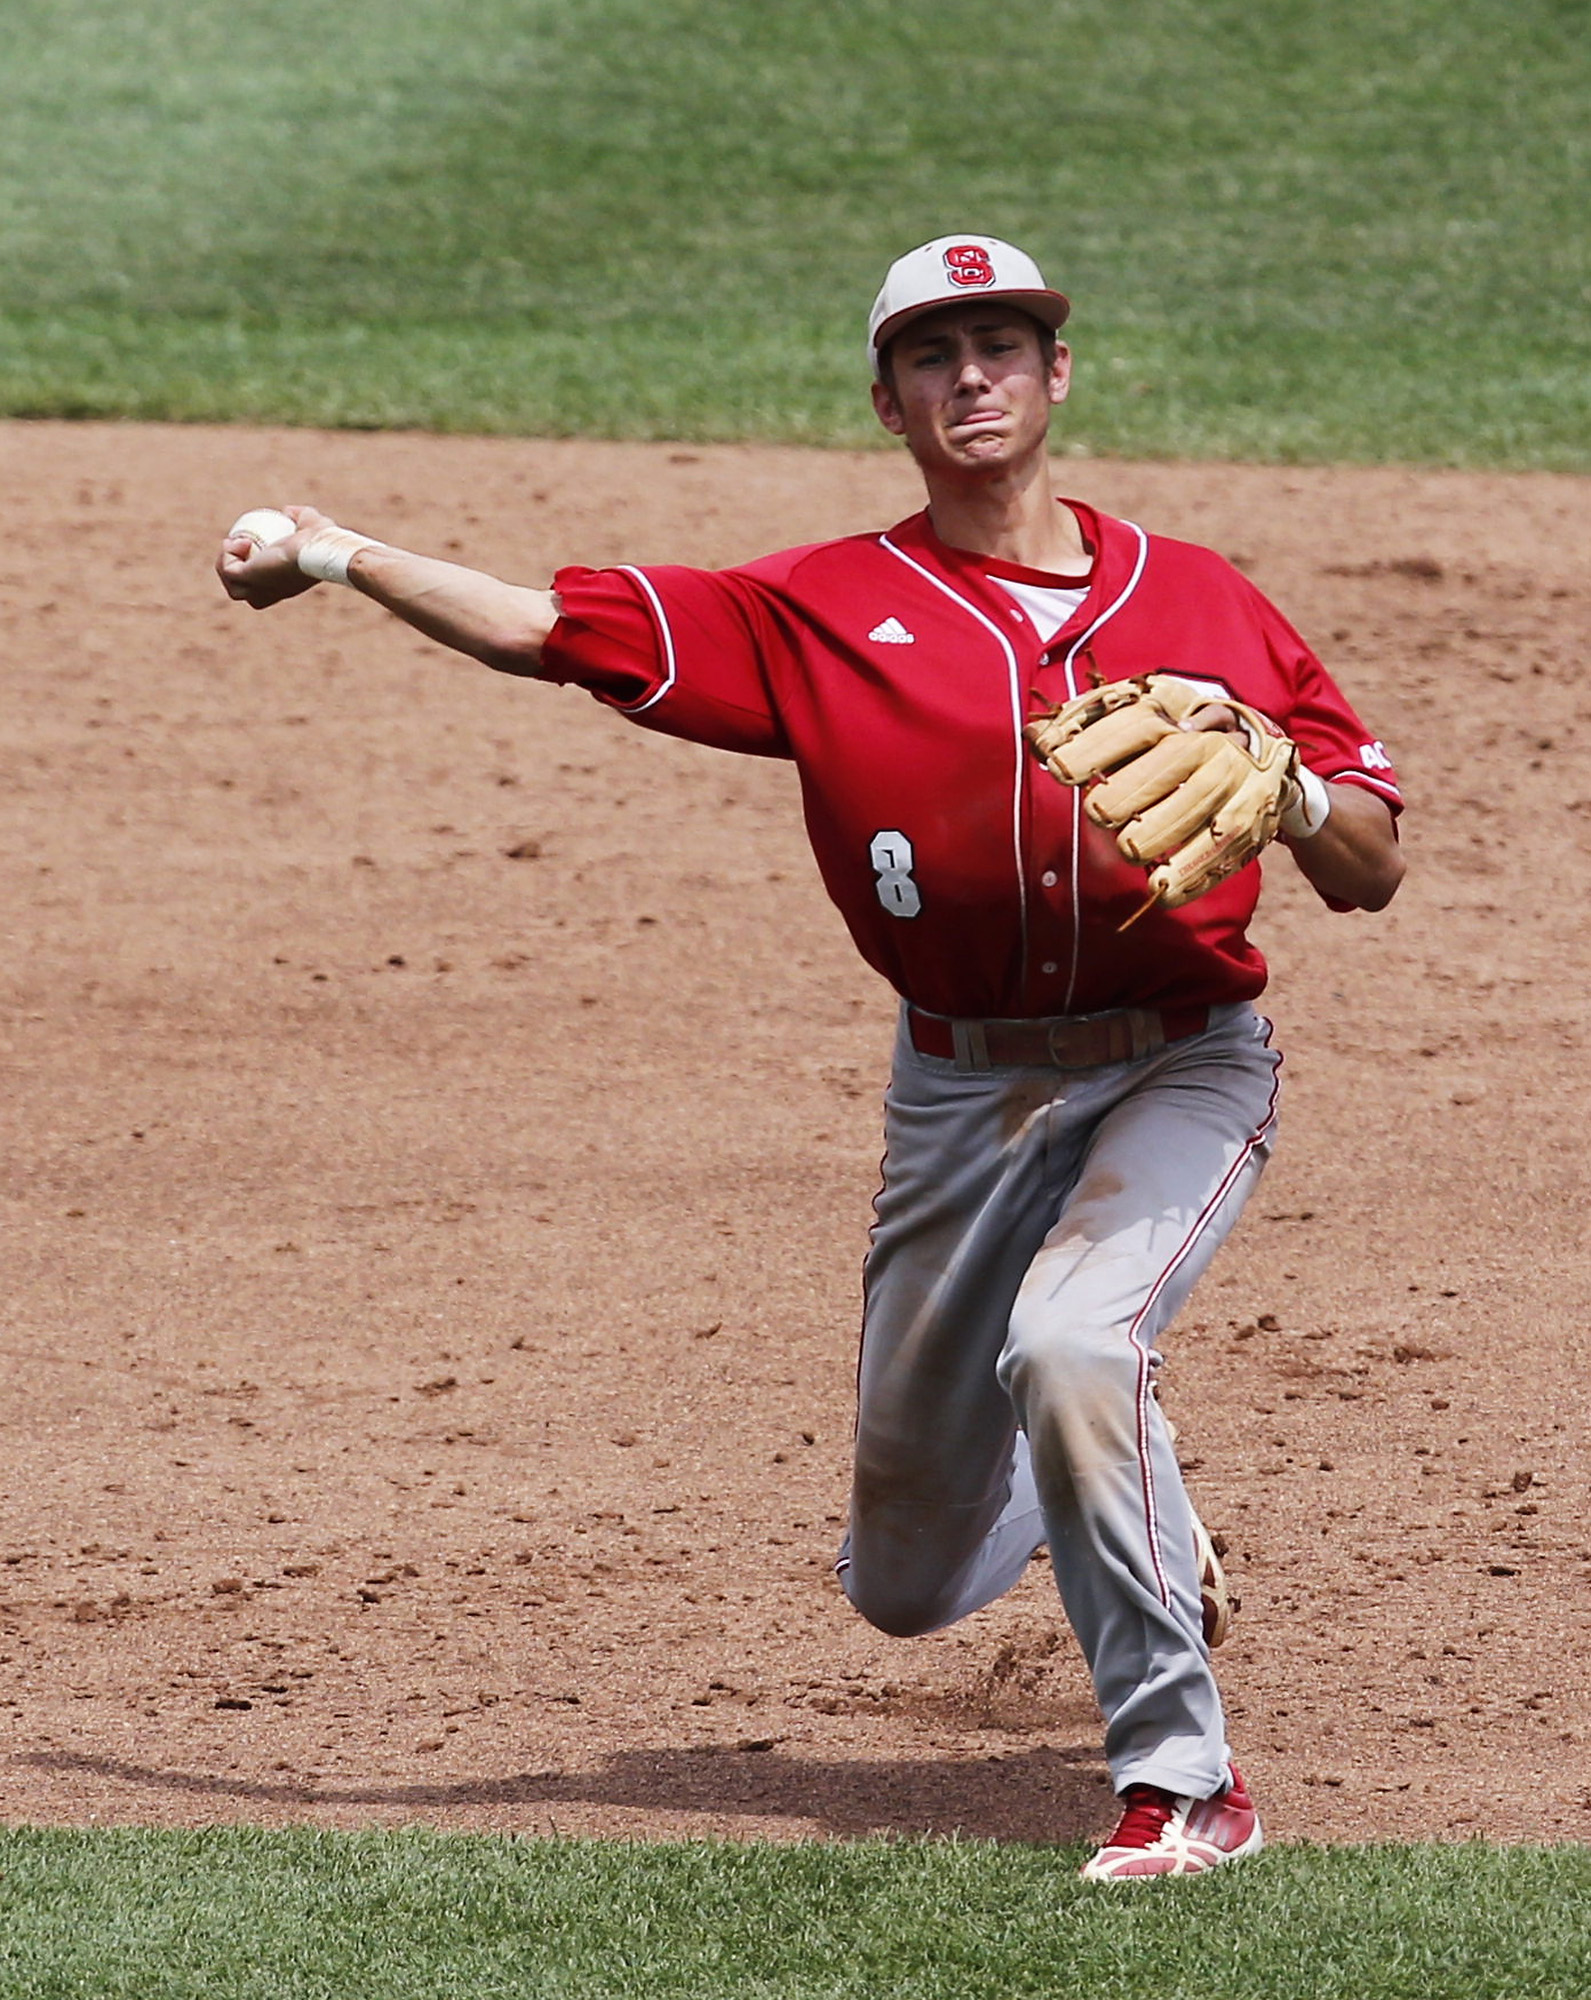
pixel 1110 610
pixel 1354 776
pixel 671 673
pixel 1072 688
pixel 1015 679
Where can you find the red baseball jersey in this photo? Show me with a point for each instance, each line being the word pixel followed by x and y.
pixel 897 674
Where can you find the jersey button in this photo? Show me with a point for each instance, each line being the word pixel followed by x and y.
pixel 1049 968
pixel 1049 878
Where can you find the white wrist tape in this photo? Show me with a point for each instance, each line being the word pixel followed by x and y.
pixel 329 551
pixel 1306 814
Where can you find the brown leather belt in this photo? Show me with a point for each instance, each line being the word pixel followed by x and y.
pixel 1063 1041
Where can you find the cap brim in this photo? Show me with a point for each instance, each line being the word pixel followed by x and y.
pixel 1048 308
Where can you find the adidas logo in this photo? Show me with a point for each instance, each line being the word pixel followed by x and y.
pixel 893 633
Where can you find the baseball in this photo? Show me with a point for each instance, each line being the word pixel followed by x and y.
pixel 264 525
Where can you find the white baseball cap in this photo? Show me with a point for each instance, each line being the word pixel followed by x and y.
pixel 951 270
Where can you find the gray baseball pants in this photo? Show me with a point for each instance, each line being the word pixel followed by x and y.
pixel 1037 1230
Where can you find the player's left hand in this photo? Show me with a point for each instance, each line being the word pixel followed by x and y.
pixel 1192 789
pixel 1214 715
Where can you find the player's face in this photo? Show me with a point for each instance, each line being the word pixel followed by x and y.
pixel 970 388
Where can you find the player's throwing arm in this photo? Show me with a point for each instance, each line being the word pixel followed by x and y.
pixel 271 554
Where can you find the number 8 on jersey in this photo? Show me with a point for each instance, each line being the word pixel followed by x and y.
pixel 891 856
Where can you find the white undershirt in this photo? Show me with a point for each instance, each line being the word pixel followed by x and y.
pixel 1048 605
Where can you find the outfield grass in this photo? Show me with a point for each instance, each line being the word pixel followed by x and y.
pixel 1291 230
pixel 250 1915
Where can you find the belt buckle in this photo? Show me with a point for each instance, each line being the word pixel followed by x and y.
pixel 1057 1030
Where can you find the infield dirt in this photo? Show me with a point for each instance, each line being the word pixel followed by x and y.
pixel 441 1124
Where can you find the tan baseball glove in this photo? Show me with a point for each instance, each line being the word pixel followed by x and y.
pixel 1190 805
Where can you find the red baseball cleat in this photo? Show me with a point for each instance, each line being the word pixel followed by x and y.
pixel 1161 1834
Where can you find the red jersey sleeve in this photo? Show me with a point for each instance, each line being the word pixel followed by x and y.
pixel 1331 739
pixel 682 651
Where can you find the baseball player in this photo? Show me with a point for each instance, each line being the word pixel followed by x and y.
pixel 1083 1095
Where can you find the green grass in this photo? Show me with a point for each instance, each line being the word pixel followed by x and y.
pixel 1291 230
pixel 250 1915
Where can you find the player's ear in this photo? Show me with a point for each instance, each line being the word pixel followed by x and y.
pixel 1060 372
pixel 887 409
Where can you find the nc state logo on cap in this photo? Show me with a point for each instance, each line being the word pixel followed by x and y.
pixel 968 264
pixel 940 272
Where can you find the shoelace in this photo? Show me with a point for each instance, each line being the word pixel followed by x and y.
pixel 1148 1811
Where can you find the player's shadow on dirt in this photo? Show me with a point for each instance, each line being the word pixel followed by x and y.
pixel 1041 1795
